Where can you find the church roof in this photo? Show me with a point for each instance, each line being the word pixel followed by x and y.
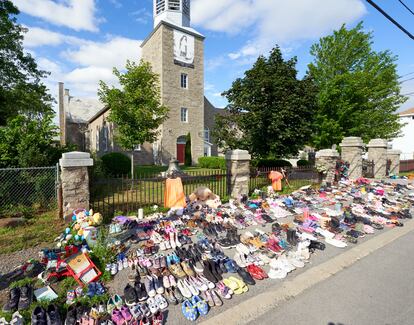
pixel 80 110
pixel 407 112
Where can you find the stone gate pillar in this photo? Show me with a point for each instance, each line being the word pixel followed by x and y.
pixel 326 163
pixel 238 169
pixel 394 156
pixel 74 178
pixel 352 150
pixel 377 151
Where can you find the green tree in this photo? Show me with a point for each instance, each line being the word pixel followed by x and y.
pixel 358 88
pixel 21 89
pixel 270 109
pixel 188 159
pixel 136 107
pixel 29 142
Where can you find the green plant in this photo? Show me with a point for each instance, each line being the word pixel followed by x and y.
pixel 271 162
pixel 302 162
pixel 116 164
pixel 212 162
pixel 188 160
pixel 101 254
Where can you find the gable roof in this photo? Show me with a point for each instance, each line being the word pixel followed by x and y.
pixel 407 112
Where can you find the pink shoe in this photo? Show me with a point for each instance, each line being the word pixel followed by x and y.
pixel 126 314
pixel 117 317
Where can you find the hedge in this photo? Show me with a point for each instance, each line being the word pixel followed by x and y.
pixel 212 162
pixel 271 162
pixel 303 162
pixel 116 164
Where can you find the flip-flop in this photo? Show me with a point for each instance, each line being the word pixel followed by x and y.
pixel 240 283
pixel 233 286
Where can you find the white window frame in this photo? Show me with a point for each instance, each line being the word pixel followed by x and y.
pixel 138 147
pixel 207 134
pixel 184 115
pixel 184 81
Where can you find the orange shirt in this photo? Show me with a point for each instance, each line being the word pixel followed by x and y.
pixel 276 179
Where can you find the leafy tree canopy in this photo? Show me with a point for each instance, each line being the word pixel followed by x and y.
pixel 21 89
pixel 29 142
pixel 136 107
pixel 358 88
pixel 270 109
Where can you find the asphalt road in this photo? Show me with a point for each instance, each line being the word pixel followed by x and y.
pixel 378 289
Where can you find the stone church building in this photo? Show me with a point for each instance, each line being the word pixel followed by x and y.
pixel 176 53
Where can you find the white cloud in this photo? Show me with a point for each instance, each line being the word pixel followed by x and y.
pixel 36 37
pixel 117 4
pixel 113 53
pixel 274 21
pixel 74 14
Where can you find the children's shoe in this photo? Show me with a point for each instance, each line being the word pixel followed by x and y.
pixel 118 301
pixel 114 268
pixel 100 290
pixel 70 297
pixel 202 306
pixel 110 306
pixel 189 311
pixel 153 305
pixel 158 319
pixel 126 314
pixel 91 290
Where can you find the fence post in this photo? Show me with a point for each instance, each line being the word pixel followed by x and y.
pixel 377 152
pixel 75 181
pixel 394 156
pixel 326 160
pixel 351 151
pixel 238 172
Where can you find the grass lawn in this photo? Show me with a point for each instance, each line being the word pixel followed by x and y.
pixel 407 173
pixel 41 229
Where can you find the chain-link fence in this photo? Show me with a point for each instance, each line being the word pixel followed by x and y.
pixel 28 188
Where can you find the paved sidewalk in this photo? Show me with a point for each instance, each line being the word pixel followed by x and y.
pixel 378 289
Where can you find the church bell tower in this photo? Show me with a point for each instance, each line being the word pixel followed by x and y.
pixel 176 53
pixel 176 12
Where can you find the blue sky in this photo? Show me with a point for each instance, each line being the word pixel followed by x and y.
pixel 79 41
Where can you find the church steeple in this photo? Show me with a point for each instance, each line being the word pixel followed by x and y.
pixel 176 12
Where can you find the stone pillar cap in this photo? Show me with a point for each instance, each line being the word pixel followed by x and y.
pixel 76 159
pixel 238 155
pixel 378 143
pixel 393 152
pixel 327 153
pixel 352 142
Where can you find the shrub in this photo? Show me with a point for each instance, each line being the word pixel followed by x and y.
pixel 271 162
pixel 115 164
pixel 212 162
pixel 188 159
pixel 303 162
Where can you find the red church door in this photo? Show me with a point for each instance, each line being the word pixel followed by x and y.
pixel 181 149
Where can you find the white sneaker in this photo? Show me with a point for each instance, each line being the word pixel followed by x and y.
pixel 237 258
pixel 194 291
pixel 172 240
pixel 292 259
pixel 243 249
pixel 185 291
pixel 336 242
pixel 277 273
pixel 325 233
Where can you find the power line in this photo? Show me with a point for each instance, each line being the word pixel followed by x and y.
pixel 406 80
pixel 372 3
pixel 408 94
pixel 405 75
pixel 406 7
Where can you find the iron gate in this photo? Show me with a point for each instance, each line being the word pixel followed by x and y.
pixel 368 168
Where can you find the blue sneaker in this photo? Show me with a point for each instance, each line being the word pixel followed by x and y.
pixel 189 311
pixel 202 306
pixel 230 266
pixel 91 289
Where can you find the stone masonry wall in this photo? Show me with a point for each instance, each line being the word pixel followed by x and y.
pixel 75 188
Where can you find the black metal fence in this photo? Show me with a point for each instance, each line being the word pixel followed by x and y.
pixel 28 188
pixel 368 168
pixel 295 177
pixel 126 195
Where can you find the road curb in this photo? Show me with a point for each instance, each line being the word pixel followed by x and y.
pixel 253 308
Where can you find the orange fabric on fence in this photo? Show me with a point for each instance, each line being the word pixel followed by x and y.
pixel 174 196
pixel 276 179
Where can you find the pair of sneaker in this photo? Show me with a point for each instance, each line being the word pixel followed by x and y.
pixel 157 303
pixel 95 289
pixel 191 309
pixel 187 289
pixel 153 285
pixel 17 319
pixel 121 316
pixel 212 298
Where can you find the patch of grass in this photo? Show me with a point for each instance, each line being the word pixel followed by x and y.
pixel 41 229
pixel 407 173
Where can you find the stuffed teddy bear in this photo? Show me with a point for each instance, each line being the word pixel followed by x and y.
pixel 204 196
